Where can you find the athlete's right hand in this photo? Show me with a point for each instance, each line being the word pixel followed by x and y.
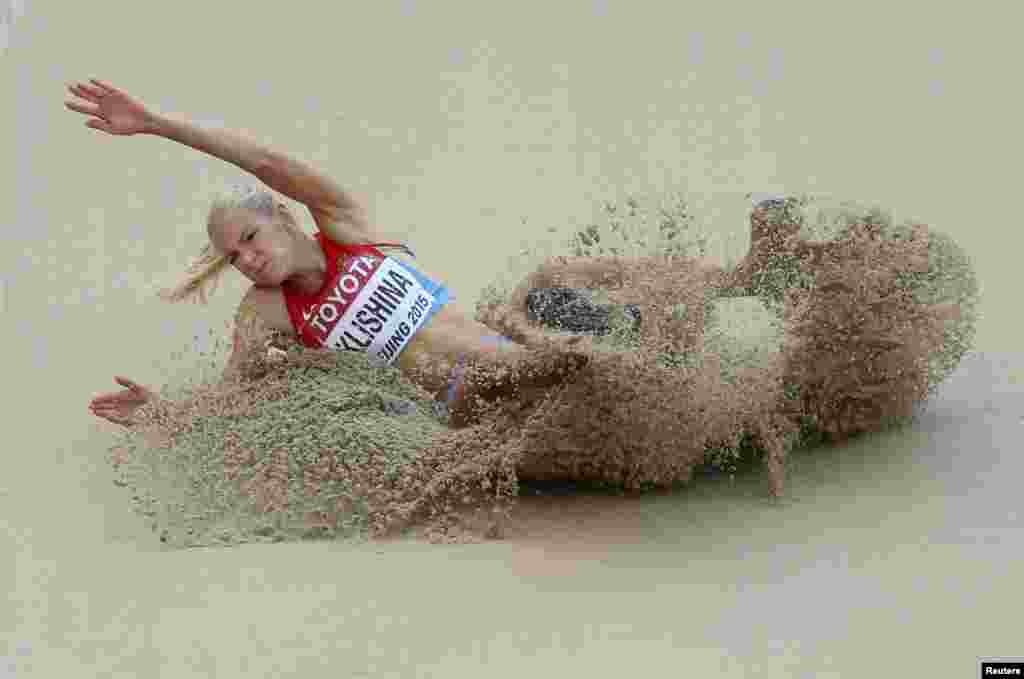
pixel 119 407
pixel 110 110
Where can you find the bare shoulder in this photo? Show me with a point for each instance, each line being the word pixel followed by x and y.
pixel 267 306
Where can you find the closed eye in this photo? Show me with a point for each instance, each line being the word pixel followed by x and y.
pixel 246 237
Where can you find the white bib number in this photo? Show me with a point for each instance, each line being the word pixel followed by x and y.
pixel 388 311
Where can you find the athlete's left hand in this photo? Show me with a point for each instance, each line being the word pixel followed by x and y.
pixel 110 110
pixel 119 407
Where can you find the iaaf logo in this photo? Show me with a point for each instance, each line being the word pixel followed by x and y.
pixel 9 11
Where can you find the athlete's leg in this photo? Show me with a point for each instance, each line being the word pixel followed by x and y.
pixel 511 373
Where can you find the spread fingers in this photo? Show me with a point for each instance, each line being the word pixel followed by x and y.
pixel 87 92
pixel 88 109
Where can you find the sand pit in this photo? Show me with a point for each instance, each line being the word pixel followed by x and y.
pixel 839 322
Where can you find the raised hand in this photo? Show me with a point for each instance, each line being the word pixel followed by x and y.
pixel 119 407
pixel 110 110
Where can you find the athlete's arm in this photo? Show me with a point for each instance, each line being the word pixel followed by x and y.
pixel 251 350
pixel 336 212
pixel 115 112
pixel 231 146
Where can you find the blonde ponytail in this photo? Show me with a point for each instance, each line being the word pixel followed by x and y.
pixel 201 278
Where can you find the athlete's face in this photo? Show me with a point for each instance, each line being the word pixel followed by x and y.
pixel 259 247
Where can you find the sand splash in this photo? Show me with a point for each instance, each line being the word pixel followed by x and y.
pixel 840 322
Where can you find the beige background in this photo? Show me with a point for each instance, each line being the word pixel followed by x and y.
pixel 470 129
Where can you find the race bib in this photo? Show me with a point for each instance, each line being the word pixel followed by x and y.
pixel 374 306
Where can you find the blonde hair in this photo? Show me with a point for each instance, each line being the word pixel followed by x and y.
pixel 205 272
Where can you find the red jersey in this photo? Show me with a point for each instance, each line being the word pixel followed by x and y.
pixel 369 303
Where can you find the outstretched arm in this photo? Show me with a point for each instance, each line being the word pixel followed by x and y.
pixel 115 112
pixel 333 209
pixel 251 355
pixel 331 206
pixel 232 146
